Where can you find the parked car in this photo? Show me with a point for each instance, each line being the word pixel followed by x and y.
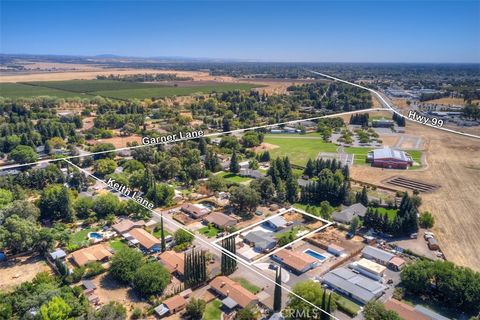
pixel 273 266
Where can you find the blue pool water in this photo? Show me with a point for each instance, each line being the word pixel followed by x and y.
pixel 95 235
pixel 315 254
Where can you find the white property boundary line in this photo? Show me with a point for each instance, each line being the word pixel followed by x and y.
pixel 221 249
pixel 390 107
pixel 215 134
pixel 326 224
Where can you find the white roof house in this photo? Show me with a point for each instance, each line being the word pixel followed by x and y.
pixel 354 285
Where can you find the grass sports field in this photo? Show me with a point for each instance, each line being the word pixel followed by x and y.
pixel 111 89
pixel 300 148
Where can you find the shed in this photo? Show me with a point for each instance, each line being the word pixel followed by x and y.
pixel 335 249
pixel 396 263
pixel 58 254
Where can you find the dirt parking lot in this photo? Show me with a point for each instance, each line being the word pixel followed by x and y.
pixel 453 162
pixel 24 269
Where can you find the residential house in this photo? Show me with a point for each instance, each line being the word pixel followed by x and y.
pixel 354 285
pixel 195 210
pixel 297 261
pixel 173 261
pixel 251 173
pixel 126 225
pixel 93 253
pixel 221 220
pixel 171 306
pixel 233 294
pixel 432 315
pixel 404 310
pixel 261 240
pixel 146 240
pixel 347 214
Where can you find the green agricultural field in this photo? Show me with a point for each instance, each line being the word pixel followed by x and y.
pixel 298 148
pixel 161 92
pixel 17 90
pixel 111 89
pixel 93 85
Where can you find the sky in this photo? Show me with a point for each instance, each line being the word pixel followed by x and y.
pixel 298 31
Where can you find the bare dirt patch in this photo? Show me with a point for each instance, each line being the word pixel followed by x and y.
pixel 88 123
pixel 118 142
pixel 389 140
pixel 446 101
pixel 13 273
pixel 400 103
pixel 276 86
pixel 454 164
pixel 108 289
pixel 264 146
pixel 89 75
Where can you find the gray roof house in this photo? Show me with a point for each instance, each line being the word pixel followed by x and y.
pixel 378 255
pixel 276 223
pixel 429 313
pixel 347 214
pixel 261 240
pixel 354 285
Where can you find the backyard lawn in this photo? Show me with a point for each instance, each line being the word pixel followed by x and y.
pixel 81 236
pixel 347 306
pixel 209 231
pixel 391 213
pixel 247 285
pixel 157 233
pixel 212 310
pixel 231 177
pixel 117 245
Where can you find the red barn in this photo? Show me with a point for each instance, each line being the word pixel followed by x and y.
pixel 389 158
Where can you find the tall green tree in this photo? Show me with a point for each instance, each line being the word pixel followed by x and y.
pixel 151 278
pixel 277 294
pixel 125 264
pixel 195 268
pixel 56 203
pixel 244 200
pixel 228 263
pixel 234 165
pixel 55 309
pixel 162 235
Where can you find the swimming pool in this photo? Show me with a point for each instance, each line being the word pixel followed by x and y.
pixel 95 235
pixel 315 254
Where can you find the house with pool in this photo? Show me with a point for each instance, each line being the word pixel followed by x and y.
pixel 298 262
